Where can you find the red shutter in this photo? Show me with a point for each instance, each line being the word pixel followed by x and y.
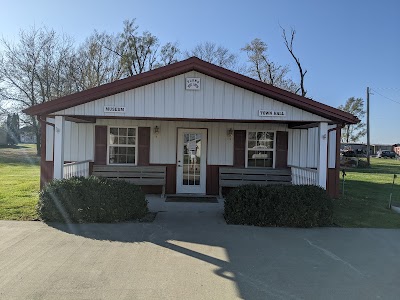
pixel 100 142
pixel 239 148
pixel 281 149
pixel 143 158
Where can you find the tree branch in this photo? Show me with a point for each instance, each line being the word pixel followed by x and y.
pixel 289 47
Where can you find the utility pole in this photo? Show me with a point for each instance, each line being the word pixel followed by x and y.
pixel 368 140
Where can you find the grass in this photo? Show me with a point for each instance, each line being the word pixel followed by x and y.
pixel 366 199
pixel 19 182
pixel 365 203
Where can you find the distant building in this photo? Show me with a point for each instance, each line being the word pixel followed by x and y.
pixel 381 147
pixel 361 148
pixel 27 135
pixel 396 148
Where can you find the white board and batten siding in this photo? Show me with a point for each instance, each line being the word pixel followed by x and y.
pixel 168 98
pixel 79 139
pixel 332 148
pixel 303 147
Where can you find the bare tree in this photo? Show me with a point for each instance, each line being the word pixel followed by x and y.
pixel 35 70
pixel 289 46
pixel 3 111
pixel 353 132
pixel 95 62
pixel 3 104
pixel 215 54
pixel 169 54
pixel 264 69
pixel 139 52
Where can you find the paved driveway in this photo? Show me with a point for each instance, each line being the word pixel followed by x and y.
pixel 193 255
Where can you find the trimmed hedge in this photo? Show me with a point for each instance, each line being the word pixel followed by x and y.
pixel 90 200
pixel 279 205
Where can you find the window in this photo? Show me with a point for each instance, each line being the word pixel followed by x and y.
pixel 260 149
pixel 122 145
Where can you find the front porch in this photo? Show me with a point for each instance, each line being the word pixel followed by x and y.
pixel 303 154
pixel 228 176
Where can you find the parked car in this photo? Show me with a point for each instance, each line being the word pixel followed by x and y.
pixel 348 158
pixel 386 154
pixel 349 153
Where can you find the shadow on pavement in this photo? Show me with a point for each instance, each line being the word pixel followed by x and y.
pixel 245 254
pixel 265 263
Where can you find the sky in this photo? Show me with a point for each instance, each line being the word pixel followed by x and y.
pixel 346 46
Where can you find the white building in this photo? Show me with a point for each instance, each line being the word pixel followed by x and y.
pixel 165 116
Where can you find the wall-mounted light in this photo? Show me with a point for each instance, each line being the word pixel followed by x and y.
pixel 324 136
pixel 156 130
pixel 229 133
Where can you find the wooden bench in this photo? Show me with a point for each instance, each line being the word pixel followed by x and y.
pixel 143 175
pixel 234 177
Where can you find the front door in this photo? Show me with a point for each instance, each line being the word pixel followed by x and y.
pixel 191 161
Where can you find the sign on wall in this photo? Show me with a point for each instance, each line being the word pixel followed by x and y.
pixel 192 83
pixel 114 109
pixel 271 113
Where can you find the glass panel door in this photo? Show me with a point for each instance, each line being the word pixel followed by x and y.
pixel 191 164
pixel 191 158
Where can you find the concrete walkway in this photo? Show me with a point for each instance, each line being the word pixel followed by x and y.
pixel 188 252
pixel 186 213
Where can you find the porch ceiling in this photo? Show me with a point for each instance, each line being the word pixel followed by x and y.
pixel 81 119
pixel 304 125
pixel 291 124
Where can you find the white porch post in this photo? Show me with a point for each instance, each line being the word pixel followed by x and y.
pixel 59 147
pixel 323 153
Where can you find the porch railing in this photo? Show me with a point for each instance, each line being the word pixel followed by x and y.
pixel 79 168
pixel 304 176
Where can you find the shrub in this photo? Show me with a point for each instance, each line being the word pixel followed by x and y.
pixel 362 164
pixel 92 199
pixel 279 205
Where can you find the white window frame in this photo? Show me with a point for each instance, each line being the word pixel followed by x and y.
pixel 108 145
pixel 247 147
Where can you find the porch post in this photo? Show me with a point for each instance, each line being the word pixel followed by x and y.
pixel 59 147
pixel 323 154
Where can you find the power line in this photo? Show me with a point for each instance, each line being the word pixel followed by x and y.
pixel 395 101
pixel 388 88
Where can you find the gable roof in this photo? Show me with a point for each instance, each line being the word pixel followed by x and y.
pixel 192 64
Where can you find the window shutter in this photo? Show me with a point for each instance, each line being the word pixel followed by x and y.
pixel 281 149
pixel 100 142
pixel 143 158
pixel 239 148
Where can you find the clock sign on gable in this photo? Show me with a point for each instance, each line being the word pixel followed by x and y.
pixel 192 83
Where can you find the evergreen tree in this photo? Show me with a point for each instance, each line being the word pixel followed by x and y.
pixel 12 129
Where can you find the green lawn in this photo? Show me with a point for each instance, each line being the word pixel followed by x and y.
pixel 364 204
pixel 19 182
pixel 367 191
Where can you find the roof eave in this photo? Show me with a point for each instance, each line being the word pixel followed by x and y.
pixel 188 65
